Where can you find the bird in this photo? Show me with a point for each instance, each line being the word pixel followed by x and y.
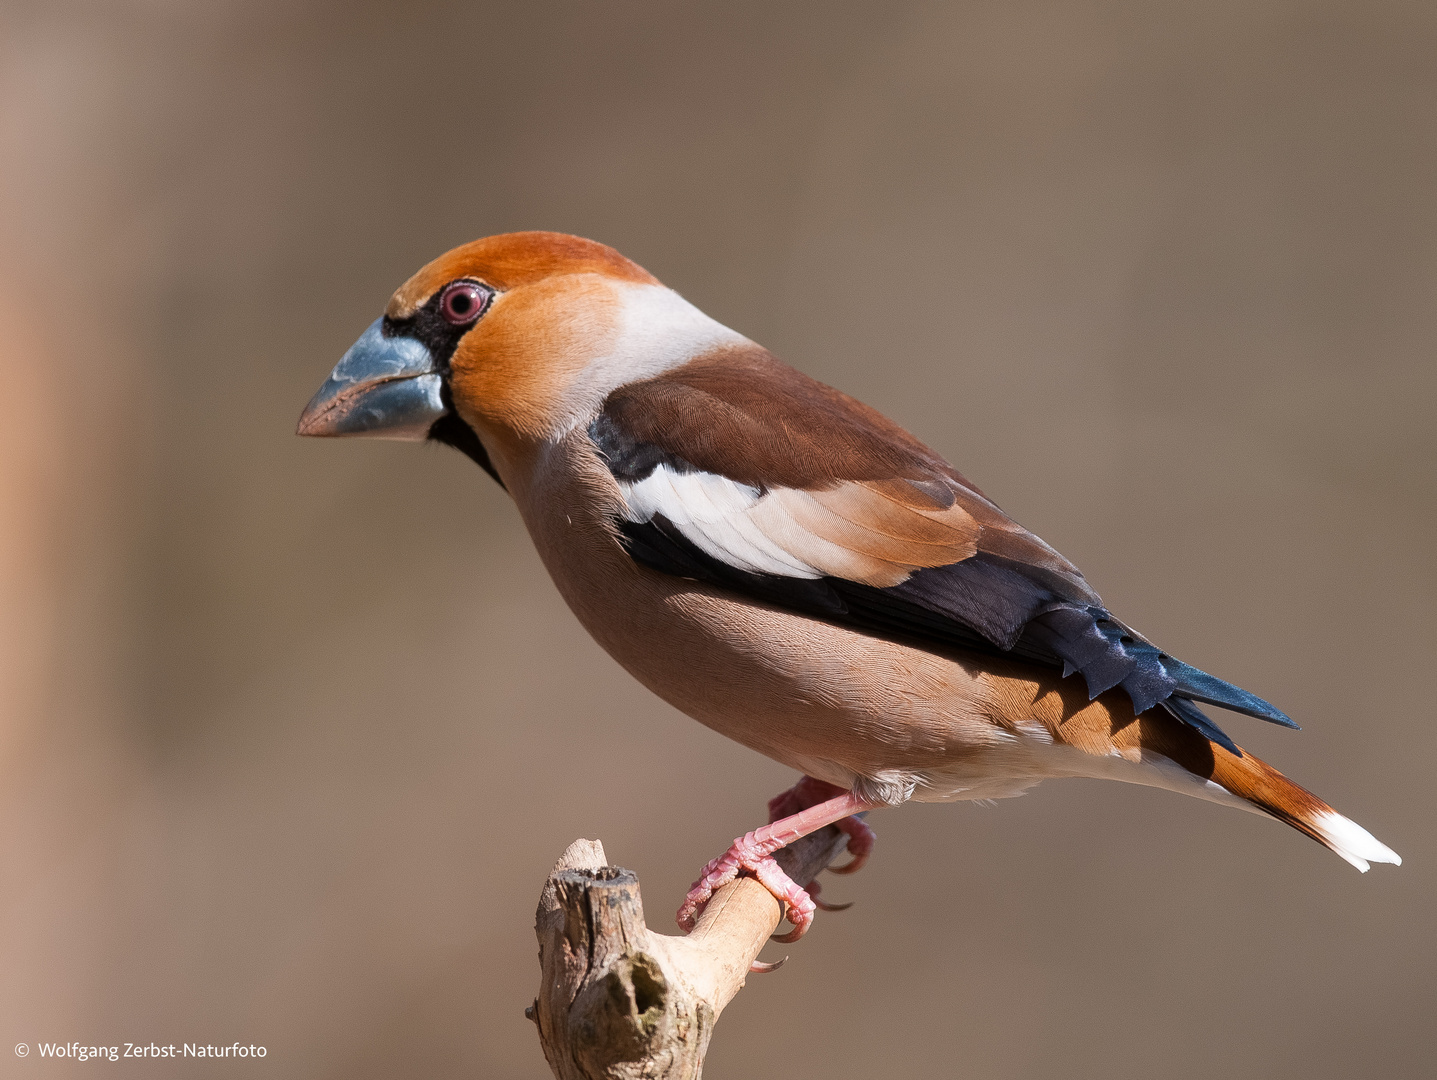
pixel 784 563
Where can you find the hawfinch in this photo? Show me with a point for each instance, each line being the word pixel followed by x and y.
pixel 783 563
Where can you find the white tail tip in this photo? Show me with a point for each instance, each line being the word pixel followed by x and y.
pixel 1353 842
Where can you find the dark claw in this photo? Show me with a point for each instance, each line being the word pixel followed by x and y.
pixel 851 867
pixel 790 937
pixel 758 967
pixel 813 888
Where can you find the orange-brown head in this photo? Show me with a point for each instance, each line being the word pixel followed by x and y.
pixel 508 341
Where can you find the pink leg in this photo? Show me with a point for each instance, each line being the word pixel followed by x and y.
pixel 810 792
pixel 754 853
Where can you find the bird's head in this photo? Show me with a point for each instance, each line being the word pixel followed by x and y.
pixel 506 342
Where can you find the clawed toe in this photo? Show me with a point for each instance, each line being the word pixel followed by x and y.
pixel 814 888
pixel 861 838
pixel 717 873
pixel 800 915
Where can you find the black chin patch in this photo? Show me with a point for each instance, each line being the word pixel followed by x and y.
pixel 452 431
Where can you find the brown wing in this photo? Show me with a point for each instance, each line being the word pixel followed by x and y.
pixel 740 471
pixel 842 472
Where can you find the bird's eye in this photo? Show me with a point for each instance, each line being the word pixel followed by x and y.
pixel 463 302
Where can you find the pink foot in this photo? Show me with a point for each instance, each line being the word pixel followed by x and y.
pixel 806 807
pixel 750 854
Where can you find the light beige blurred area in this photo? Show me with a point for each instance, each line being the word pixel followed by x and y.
pixel 292 730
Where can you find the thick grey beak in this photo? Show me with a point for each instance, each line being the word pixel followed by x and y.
pixel 382 388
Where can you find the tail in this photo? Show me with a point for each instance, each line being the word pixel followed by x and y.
pixel 1159 749
pixel 1259 784
pixel 1179 758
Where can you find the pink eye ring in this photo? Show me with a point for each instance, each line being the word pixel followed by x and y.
pixel 463 302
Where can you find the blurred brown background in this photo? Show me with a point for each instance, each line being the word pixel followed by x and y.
pixel 293 730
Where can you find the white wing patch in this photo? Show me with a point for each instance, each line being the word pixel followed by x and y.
pixel 715 514
pixel 850 530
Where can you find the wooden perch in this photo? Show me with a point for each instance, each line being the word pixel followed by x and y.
pixel 620 1002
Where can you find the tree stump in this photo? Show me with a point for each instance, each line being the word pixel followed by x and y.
pixel 620 1002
